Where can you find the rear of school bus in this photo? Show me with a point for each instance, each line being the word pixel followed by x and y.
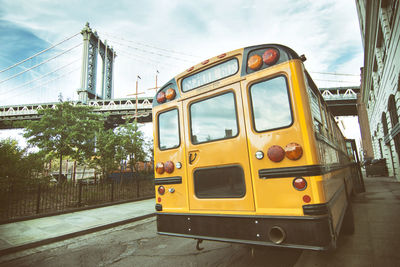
pixel 235 153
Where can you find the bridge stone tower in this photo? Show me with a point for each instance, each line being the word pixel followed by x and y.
pixel 92 46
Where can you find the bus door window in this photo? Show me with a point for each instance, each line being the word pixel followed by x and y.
pixel 168 130
pixel 270 104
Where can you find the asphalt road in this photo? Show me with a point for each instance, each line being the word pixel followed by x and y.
pixel 375 243
pixel 137 244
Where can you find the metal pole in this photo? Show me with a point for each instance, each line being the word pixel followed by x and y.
pixel 136 104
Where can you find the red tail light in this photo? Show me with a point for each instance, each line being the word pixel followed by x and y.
pixel 306 198
pixel 299 183
pixel 161 190
pixel 276 153
pixel 160 168
pixel 170 94
pixel 271 56
pixel 161 97
pixel 169 166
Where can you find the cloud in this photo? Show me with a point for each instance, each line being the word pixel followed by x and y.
pixel 326 31
pixel 18 42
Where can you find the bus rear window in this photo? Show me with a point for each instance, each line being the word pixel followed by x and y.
pixel 214 119
pixel 270 104
pixel 168 130
pixel 218 72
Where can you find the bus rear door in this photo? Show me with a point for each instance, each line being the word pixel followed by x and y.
pixel 219 177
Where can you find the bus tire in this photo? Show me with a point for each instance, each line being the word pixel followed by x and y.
pixel 348 221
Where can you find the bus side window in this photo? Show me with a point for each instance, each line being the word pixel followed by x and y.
pixel 325 117
pixel 315 110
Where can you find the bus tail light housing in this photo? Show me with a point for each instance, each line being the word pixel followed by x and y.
pixel 161 97
pixel 271 56
pixel 299 183
pixel 276 153
pixel 169 166
pixel 293 151
pixel 254 62
pixel 170 94
pixel 160 168
pixel 161 190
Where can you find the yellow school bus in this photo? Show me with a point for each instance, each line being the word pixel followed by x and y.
pixel 247 151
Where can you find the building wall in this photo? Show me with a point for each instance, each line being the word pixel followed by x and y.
pixel 380 89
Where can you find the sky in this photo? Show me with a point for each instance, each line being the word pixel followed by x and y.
pixel 168 37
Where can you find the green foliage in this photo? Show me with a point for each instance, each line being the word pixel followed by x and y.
pixel 133 143
pixel 108 151
pixel 113 146
pixel 18 168
pixel 66 130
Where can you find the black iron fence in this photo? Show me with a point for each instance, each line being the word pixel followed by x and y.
pixel 47 199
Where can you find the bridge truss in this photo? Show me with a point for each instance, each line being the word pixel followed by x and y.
pixel 117 111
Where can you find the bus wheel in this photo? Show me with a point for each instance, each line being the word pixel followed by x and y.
pixel 348 221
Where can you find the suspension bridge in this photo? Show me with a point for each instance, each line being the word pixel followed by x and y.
pixel 36 77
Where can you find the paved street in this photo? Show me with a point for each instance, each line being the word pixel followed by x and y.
pixel 375 243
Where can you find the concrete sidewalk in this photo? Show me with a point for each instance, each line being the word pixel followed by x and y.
pixel 376 239
pixel 31 233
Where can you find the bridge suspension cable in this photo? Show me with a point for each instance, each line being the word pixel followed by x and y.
pixel 39 64
pixel 45 83
pixel 39 53
pixel 144 59
pixel 43 76
pixel 150 46
pixel 336 74
pixel 151 52
pixel 335 81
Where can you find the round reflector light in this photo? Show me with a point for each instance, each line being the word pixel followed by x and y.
pixel 161 190
pixel 161 97
pixel 170 94
pixel 169 166
pixel 259 155
pixel 222 55
pixel 254 62
pixel 270 56
pixel 276 153
pixel 178 165
pixel 160 168
pixel 293 151
pixel 299 183
pixel 306 198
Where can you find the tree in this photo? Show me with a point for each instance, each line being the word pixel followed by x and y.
pixel 108 151
pixel 18 168
pixel 133 144
pixel 66 130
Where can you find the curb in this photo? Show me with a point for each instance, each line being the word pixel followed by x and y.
pixel 72 210
pixel 71 235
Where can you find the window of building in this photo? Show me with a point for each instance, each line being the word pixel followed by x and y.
pixel 384 124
